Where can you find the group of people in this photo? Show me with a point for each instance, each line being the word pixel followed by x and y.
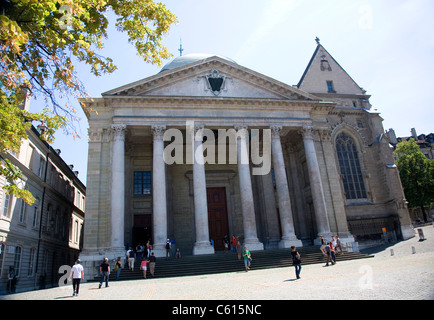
pixel 77 274
pixel 330 248
pixel 232 243
pixel 132 256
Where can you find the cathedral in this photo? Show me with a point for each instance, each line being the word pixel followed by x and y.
pixel 207 149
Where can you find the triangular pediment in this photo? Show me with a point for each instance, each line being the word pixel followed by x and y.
pixel 211 77
pixel 324 75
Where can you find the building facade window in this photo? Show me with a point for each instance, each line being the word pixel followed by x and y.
pixel 17 260
pixel 330 87
pixel 32 258
pixel 349 165
pixel 35 213
pixel 142 182
pixel 6 205
pixel 23 208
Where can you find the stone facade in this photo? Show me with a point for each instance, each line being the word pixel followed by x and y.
pixel 151 176
pixel 36 240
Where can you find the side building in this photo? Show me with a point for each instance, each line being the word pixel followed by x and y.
pixel 36 240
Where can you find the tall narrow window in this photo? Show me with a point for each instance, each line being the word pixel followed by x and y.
pixel 142 182
pixel 349 164
pixel 17 261
pixel 330 87
pixel 6 205
pixel 31 270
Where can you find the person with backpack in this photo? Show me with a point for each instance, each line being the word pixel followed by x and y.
pixel 131 258
pixel 168 248
pixel 296 261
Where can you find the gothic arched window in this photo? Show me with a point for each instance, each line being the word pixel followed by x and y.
pixel 349 164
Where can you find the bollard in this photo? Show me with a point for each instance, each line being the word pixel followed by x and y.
pixel 391 252
pixel 413 250
pixel 421 235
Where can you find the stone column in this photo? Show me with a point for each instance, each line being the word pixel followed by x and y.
pixel 246 193
pixel 322 221
pixel 286 220
pixel 118 188
pixel 202 244
pixel 159 210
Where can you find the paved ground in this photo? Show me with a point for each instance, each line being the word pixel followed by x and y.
pixel 403 276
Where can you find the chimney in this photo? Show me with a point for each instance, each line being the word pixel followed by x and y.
pixel 413 133
pixel 392 136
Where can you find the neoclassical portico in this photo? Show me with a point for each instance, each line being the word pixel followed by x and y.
pixel 194 200
pixel 324 176
pixel 247 203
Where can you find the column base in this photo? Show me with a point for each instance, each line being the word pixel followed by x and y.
pixel 91 260
pixel 203 248
pixel 289 242
pixel 253 245
pixel 407 232
pixel 159 250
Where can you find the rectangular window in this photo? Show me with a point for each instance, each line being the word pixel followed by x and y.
pixel 17 261
pixel 23 206
pixel 31 270
pixel 6 203
pixel 330 87
pixel 142 182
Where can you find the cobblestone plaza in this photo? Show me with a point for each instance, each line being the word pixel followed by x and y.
pixel 402 276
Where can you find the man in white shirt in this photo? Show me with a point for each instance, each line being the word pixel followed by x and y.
pixel 77 274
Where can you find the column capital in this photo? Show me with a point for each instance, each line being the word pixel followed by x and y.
pixel 158 131
pixel 276 131
pixel 307 132
pixel 198 131
pixel 119 131
pixel 242 130
pixel 325 134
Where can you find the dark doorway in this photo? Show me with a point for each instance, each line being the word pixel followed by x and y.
pixel 217 216
pixel 142 230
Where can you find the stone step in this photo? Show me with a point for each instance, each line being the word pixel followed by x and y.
pixel 222 262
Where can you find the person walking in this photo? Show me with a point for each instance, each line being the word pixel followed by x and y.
pixel 332 252
pixel 77 275
pixel 131 258
pixel 118 267
pixel 144 266
pixel 234 243
pixel 338 246
pixel 323 245
pixel 296 261
pixel 328 255
pixel 247 258
pixel 168 248
pixel 239 249
pixel 148 249
pixel 139 252
pixel 152 261
pixel 226 242
pixel 104 270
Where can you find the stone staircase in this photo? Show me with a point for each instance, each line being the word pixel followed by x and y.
pixel 221 262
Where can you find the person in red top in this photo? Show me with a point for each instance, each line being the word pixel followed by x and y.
pixel 234 243
pixel 143 266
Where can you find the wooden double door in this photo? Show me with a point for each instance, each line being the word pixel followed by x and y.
pixel 217 216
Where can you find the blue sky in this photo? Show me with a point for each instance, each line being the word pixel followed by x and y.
pixel 386 46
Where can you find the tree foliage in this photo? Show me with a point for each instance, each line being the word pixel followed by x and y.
pixel 40 43
pixel 417 175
